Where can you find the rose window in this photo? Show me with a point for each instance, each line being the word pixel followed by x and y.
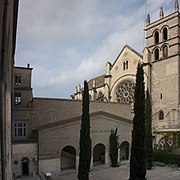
pixel 125 92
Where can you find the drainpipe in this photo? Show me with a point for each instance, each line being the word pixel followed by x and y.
pixel 3 46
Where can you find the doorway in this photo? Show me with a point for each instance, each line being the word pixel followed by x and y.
pixel 25 166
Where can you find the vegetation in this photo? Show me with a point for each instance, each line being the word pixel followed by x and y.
pixel 137 159
pixel 114 146
pixel 166 157
pixel 148 137
pixel 85 140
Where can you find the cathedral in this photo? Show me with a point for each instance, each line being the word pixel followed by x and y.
pixel 45 131
pixel 161 59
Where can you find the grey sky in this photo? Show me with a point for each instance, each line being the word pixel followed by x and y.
pixel 68 41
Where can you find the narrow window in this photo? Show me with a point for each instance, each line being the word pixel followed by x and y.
pixel 165 34
pixel 165 51
pixel 156 37
pixel 156 54
pixel 125 65
pixel 17 98
pixel 161 96
pixel 161 115
pixel 17 80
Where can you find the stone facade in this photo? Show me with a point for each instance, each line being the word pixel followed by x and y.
pixel 24 138
pixel 52 154
pixel 161 73
pixel 8 25
pixel 45 131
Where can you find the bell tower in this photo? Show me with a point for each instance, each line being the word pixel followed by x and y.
pixel 163 44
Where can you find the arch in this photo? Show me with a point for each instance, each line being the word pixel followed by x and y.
pixel 156 37
pixel 161 115
pixel 165 51
pixel 25 166
pixel 165 33
pixel 99 154
pixel 100 96
pixel 156 54
pixel 165 142
pixel 124 150
pixel 68 158
pixel 172 115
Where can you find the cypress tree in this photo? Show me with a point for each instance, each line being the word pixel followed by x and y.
pixel 85 140
pixel 148 137
pixel 114 146
pixel 137 159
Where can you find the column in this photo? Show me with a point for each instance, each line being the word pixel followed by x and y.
pixel 77 162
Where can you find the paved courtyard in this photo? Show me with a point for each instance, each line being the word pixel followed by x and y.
pixel 120 173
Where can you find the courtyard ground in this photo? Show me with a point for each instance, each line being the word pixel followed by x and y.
pixel 120 173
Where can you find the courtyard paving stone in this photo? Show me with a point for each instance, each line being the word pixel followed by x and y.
pixel 122 173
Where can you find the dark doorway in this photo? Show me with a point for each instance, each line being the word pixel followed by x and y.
pixel 124 150
pixel 99 154
pixel 68 158
pixel 25 167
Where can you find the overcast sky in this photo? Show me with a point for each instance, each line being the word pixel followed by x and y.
pixel 69 41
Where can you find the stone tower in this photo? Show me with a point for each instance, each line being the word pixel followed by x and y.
pixel 162 37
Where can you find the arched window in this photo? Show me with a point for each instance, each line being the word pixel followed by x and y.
pixel 156 37
pixel 125 65
pixel 165 34
pixel 156 54
pixel 165 51
pixel 161 115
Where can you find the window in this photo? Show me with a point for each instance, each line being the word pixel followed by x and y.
pixel 125 92
pixel 17 80
pixel 20 129
pixel 17 98
pixel 125 65
pixel 161 115
pixel 156 54
pixel 165 34
pixel 156 37
pixel 161 96
pixel 100 96
pixel 165 51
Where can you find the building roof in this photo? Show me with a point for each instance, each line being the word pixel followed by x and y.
pixel 131 49
pixel 99 81
pixel 78 118
pixel 48 110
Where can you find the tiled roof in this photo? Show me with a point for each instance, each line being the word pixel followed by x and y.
pixel 99 81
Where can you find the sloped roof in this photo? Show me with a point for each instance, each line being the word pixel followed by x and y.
pixel 78 118
pixel 131 49
pixel 50 110
pixel 99 81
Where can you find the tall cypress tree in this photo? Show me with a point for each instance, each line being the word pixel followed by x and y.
pixel 137 159
pixel 148 137
pixel 85 140
pixel 114 146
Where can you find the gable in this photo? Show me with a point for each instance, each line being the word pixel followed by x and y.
pixel 126 53
pixel 77 119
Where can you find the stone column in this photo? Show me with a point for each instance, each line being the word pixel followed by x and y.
pixel 60 164
pixel 119 155
pixel 77 162
pixel 91 165
pixel 107 157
